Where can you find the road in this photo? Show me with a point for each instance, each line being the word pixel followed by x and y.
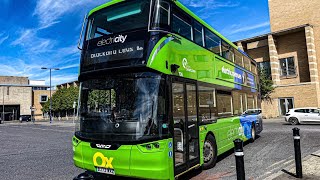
pixel 43 151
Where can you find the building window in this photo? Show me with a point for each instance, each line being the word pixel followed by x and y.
pixel 264 67
pixel 43 98
pixel 287 67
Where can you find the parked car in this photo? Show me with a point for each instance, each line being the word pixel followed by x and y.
pixel 303 115
pixel 25 118
pixel 253 115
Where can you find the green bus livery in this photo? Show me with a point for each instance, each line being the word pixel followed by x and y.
pixel 161 92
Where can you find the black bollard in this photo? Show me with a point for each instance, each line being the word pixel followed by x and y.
pixel 238 152
pixel 297 151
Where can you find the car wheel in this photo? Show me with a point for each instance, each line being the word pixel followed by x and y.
pixel 253 133
pixel 209 152
pixel 294 121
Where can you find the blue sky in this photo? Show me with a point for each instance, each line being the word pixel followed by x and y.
pixel 36 33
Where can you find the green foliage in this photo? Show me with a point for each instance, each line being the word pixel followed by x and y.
pixel 62 100
pixel 266 85
pixel 99 98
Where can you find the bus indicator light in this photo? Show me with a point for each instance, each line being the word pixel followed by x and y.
pixel 170 153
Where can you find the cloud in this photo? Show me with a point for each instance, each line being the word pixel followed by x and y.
pixel 245 28
pixel 70 66
pixel 49 12
pixel 207 8
pixel 3 37
pixel 32 43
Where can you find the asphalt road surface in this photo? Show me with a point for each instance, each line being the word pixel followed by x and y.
pixel 43 151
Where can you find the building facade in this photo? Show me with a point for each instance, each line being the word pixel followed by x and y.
pixel 289 55
pixel 17 97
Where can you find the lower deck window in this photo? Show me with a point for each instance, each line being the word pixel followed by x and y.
pixel 224 101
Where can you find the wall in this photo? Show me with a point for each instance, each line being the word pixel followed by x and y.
pixel 17 96
pixel 37 104
pixel 14 80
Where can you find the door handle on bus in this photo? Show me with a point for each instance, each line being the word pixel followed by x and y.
pixel 178 129
pixel 192 125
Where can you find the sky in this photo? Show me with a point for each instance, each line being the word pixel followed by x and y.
pixel 45 33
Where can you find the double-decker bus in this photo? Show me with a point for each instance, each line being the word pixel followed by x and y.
pixel 161 92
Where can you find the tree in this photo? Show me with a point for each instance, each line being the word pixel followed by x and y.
pixel 266 85
pixel 62 100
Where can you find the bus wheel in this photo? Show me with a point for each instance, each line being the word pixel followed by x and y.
pixel 209 152
pixel 253 133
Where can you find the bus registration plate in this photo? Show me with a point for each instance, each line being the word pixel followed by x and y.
pixel 105 170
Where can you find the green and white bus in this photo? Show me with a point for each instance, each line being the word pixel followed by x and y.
pixel 161 92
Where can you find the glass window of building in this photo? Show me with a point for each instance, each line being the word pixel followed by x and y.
pixel 265 68
pixel 287 66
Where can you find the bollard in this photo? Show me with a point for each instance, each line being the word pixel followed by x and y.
pixel 297 152
pixel 238 152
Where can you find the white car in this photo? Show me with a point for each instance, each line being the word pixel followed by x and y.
pixel 303 115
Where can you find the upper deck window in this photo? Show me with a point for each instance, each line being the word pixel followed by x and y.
pixel 181 27
pixel 122 17
pixel 212 42
pixel 198 34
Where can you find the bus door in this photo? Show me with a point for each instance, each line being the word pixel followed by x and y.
pixel 186 128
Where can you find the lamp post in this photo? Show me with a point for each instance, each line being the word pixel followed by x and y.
pixel 50 69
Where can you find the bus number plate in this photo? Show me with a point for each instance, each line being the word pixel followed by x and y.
pixel 105 170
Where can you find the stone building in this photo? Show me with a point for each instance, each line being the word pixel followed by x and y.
pixel 68 84
pixel 290 53
pixel 17 96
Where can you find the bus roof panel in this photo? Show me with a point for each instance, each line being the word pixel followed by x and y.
pixel 179 4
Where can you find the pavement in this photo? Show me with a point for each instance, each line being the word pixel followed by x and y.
pixel 310 169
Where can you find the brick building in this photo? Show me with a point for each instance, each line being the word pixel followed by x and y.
pixel 19 94
pixel 290 53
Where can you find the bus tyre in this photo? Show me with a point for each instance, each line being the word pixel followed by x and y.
pixel 253 133
pixel 209 152
pixel 294 121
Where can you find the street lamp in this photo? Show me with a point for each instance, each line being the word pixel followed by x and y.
pixel 50 90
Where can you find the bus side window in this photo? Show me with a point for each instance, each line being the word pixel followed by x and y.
pixel 237 103
pixel 198 33
pixel 181 27
pixel 224 100
pixel 213 42
pixel 227 51
pixel 207 103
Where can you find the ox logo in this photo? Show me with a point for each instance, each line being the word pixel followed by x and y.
pixel 99 160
